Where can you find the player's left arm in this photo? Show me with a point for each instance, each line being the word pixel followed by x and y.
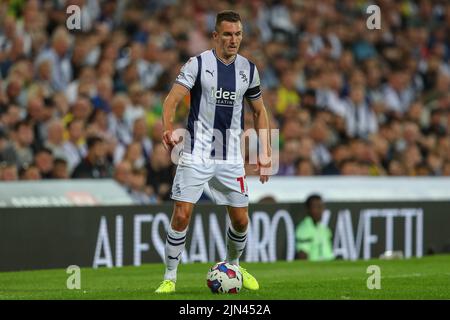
pixel 262 127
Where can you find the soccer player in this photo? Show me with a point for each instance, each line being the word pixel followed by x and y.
pixel 218 81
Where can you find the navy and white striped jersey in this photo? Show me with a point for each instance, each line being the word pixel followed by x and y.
pixel 216 116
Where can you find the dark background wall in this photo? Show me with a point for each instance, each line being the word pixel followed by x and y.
pixel 114 236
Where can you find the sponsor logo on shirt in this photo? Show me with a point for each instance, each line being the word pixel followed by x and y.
pixel 224 97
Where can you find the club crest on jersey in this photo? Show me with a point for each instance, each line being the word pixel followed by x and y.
pixel 243 76
pixel 223 97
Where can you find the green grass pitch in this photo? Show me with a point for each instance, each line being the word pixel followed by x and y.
pixel 425 278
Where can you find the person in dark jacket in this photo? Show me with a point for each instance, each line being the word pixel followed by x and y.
pixel 96 164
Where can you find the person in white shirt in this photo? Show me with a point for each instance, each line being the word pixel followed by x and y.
pixel 117 124
pixel 397 93
pixel 360 119
pixel 57 54
pixel 329 96
pixel 74 149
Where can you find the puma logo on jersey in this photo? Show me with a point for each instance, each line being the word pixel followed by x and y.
pixel 210 72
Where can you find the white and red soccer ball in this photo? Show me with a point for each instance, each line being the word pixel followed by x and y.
pixel 224 277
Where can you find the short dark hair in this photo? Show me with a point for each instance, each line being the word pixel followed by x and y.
pixel 311 198
pixel 43 150
pixel 58 161
pixel 228 15
pixel 21 123
pixel 139 172
pixel 91 141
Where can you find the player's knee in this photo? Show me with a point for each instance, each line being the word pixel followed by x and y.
pixel 240 224
pixel 181 217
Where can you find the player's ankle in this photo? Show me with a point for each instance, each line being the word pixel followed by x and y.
pixel 170 275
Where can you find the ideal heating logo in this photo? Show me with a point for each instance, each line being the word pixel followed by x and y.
pixel 224 97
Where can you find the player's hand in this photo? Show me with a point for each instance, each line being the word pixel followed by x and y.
pixel 264 171
pixel 168 140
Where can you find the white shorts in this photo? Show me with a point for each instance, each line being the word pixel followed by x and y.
pixel 226 182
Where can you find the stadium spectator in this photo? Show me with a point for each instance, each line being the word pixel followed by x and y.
pixel 313 238
pixel 117 124
pixel 138 190
pixel 74 147
pixel 135 109
pixel 98 125
pixel 55 138
pixel 397 93
pixel 350 167
pixel 306 146
pixel 96 164
pixel 134 156
pixel 14 91
pixel 288 157
pixel 156 132
pixel 287 94
pixel 7 152
pixel 411 158
pixel 58 58
pixel 23 138
pixel 291 129
pixel 60 169
pixel 320 133
pixel 446 169
pixel 103 98
pixel 329 96
pixel 10 115
pixel 37 117
pixel 360 119
pixel 122 174
pixel 30 172
pixel 140 138
pixel 396 168
pixel 8 172
pixel 339 153
pixel 160 172
pixel 44 76
pixel 304 167
pixel 81 109
pixel 43 160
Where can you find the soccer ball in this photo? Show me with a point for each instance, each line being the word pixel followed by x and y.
pixel 224 277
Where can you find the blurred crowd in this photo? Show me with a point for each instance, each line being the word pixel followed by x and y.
pixel 87 103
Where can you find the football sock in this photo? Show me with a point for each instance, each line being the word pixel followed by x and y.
pixel 236 242
pixel 175 244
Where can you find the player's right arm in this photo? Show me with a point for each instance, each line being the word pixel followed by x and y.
pixel 170 104
pixel 183 84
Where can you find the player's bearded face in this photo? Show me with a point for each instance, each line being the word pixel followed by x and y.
pixel 229 37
